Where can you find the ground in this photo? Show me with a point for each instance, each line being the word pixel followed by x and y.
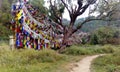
pixel 84 65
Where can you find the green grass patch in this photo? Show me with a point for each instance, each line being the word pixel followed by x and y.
pixel 30 60
pixel 88 49
pixel 108 63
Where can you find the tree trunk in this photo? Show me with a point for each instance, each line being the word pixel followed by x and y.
pixel 68 33
pixel 65 40
pixel 64 43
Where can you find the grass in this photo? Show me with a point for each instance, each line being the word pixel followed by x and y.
pixel 29 60
pixel 108 63
pixel 88 50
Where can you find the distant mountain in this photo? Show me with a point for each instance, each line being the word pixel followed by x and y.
pixel 93 25
pixel 65 21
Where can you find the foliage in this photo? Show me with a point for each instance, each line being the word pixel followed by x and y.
pixel 88 50
pixel 105 35
pixel 4 33
pixel 110 7
pixel 39 4
pixel 108 63
pixel 94 39
pixel 29 60
pixel 5 18
pixel 5 12
pixel 56 11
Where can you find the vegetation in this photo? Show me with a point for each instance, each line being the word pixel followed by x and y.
pixel 106 35
pixel 75 10
pixel 88 50
pixel 5 18
pixel 29 60
pixel 39 4
pixel 4 33
pixel 108 63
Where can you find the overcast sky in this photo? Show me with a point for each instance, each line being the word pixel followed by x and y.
pixel 66 14
pixel 85 14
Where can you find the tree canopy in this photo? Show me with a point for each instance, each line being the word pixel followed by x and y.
pixel 5 18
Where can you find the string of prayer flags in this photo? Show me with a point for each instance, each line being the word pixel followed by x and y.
pixel 29 32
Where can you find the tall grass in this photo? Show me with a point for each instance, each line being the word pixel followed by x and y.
pixel 108 63
pixel 29 60
pixel 88 49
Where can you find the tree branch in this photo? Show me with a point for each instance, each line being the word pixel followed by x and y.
pixel 83 9
pixel 54 12
pixel 66 6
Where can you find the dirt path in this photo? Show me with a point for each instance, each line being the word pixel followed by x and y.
pixel 85 64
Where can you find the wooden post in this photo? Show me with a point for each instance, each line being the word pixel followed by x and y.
pixel 11 42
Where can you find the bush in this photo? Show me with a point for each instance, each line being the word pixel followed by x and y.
pixel 105 35
pixel 4 33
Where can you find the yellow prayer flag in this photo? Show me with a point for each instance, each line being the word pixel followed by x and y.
pixel 28 22
pixel 19 15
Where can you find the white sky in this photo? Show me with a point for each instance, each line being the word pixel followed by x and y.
pixel 85 14
pixel 66 14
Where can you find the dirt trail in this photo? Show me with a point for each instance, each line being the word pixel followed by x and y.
pixel 84 64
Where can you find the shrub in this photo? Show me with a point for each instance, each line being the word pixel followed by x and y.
pixel 94 39
pixel 105 35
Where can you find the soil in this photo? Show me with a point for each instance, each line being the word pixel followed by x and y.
pixel 84 65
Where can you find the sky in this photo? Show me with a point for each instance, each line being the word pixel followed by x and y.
pixel 66 14
pixel 85 14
